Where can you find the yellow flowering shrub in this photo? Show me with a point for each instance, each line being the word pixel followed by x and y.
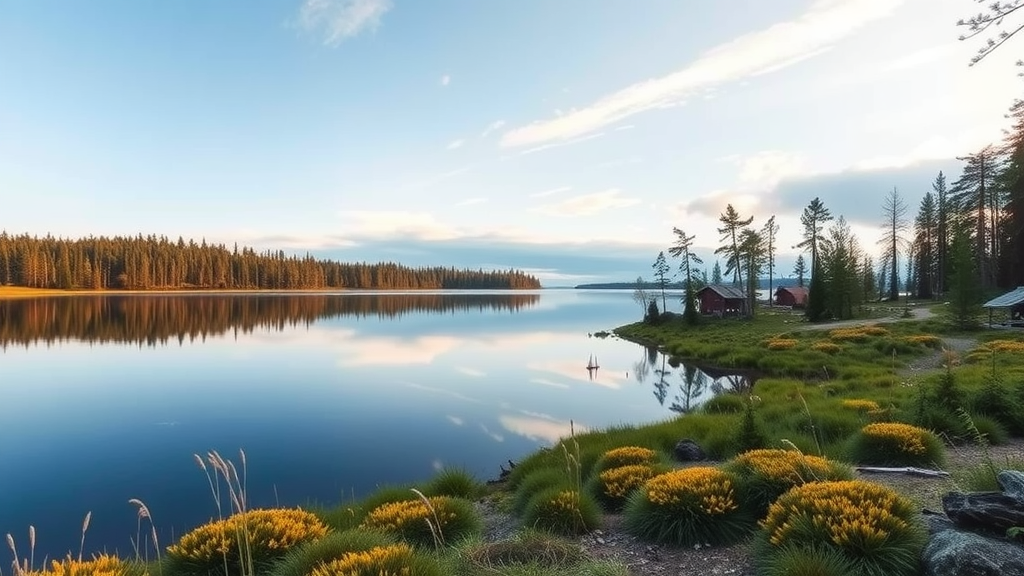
pixel 896 444
pixel 390 560
pixel 563 511
pixel 263 534
pixel 857 333
pixel 767 473
pixel 415 521
pixel 1011 346
pixel 925 340
pixel 687 506
pixel 102 565
pixel 626 456
pixel 612 486
pixel 778 343
pixel 826 347
pixel 866 522
pixel 860 405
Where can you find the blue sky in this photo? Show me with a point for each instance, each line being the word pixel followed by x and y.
pixel 566 137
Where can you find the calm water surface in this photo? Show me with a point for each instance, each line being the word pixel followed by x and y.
pixel 103 399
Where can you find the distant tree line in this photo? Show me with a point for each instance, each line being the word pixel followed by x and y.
pixel 153 320
pixel 151 262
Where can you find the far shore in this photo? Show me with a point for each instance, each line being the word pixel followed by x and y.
pixel 17 292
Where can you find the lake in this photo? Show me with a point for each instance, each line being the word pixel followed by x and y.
pixel 107 398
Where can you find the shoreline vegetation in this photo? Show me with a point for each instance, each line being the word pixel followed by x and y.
pixel 830 398
pixel 15 292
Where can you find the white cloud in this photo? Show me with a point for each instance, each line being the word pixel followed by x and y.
pixel 446 80
pixel 386 224
pixel 471 201
pixel 546 382
pixel 470 372
pixel 496 125
pixel 342 19
pixel 550 191
pixel 494 435
pixel 823 25
pixel 588 204
pixel 539 428
pixel 456 420
pixel 456 144
pixel 560 144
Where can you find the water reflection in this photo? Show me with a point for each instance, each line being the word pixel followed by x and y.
pixel 160 319
pixel 690 384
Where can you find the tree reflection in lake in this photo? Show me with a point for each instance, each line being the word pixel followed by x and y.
pixel 158 319
pixel 696 384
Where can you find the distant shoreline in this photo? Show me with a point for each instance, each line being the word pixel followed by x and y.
pixel 18 292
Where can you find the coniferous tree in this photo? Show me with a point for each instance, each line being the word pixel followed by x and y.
pixel 814 218
pixel 732 226
pixel 995 15
pixel 770 230
pixel 753 256
pixel 974 195
pixel 895 224
pixel 926 238
pixel 867 272
pixel 716 273
pixel 661 270
pixel 682 249
pixel 800 270
pixel 964 283
pixel 944 213
pixel 1011 180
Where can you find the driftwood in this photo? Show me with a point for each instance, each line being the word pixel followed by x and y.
pixel 909 470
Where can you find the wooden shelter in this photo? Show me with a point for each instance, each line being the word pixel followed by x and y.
pixel 795 296
pixel 719 300
pixel 1012 302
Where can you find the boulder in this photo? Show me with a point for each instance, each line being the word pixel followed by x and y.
pixel 1012 483
pixel 687 450
pixel 959 553
pixel 991 512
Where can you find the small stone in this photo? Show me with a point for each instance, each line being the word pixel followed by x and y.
pixel 1012 483
pixel 600 540
pixel 687 450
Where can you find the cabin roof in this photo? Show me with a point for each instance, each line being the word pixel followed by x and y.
pixel 797 291
pixel 727 292
pixel 1007 300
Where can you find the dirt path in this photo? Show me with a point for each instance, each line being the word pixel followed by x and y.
pixel 915 314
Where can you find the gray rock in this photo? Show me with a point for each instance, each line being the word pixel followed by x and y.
pixel 1012 483
pixel 991 512
pixel 687 450
pixel 936 521
pixel 958 553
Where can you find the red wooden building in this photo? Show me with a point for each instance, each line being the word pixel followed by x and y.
pixel 795 296
pixel 719 300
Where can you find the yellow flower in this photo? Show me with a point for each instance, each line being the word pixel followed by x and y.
pixel 826 347
pixel 704 489
pixel 266 531
pixel 925 339
pixel 857 334
pixel 627 455
pixel 861 405
pixel 1004 346
pixel 397 516
pixel 619 482
pixel 102 565
pixel 377 561
pixel 785 466
pixel 850 513
pixel 904 437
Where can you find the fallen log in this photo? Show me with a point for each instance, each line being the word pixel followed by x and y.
pixel 909 470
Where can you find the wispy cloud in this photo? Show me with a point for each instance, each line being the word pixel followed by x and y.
pixel 551 191
pixel 339 20
pixel 471 201
pixel 559 144
pixel 496 125
pixel 456 420
pixel 456 144
pixel 823 25
pixel 589 204
pixel 446 80
pixel 470 372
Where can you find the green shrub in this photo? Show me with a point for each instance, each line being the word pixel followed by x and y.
pixel 302 560
pixel 613 486
pixel 526 548
pixel 991 430
pixel 390 559
pixel 983 478
pixel 996 400
pixel 384 495
pixel 808 561
pixel 750 436
pixel 725 404
pixel 425 522
pixel 341 518
pixel 689 506
pixel 872 526
pixel 563 511
pixel 455 482
pixel 764 475
pixel 896 444
pixel 255 538
pixel 537 481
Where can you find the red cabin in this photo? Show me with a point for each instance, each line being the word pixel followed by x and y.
pixel 795 296
pixel 719 300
